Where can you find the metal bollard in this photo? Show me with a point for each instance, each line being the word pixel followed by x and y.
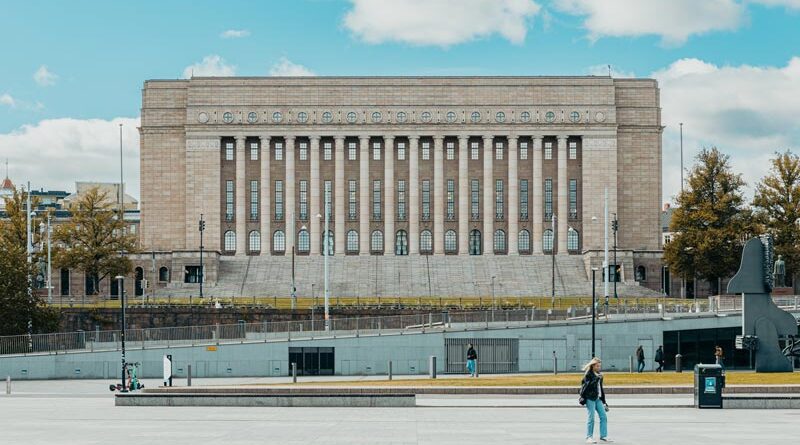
pixel 188 375
pixel 555 363
pixel 432 367
pixel 630 364
pixel 294 372
pixel 678 364
pixel 389 368
pixel 476 369
pixel 8 384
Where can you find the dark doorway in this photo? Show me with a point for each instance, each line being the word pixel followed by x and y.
pixel 139 290
pixel 312 361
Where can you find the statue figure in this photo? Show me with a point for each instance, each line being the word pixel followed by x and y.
pixel 779 272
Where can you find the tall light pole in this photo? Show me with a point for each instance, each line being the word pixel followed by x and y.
pixel 121 287
pixel 325 251
pixel 202 228
pixel 605 245
pixel 681 125
pixel 614 228
pixel 29 251
pixel 42 228
pixel 553 257
pixel 594 269
pixel 494 305
pixel 294 250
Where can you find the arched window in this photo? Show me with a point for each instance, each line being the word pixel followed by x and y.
pixel 499 241
pixel 327 250
pixel 450 241
pixel 139 276
pixel 475 242
pixel 524 241
pixel 401 243
pixel 303 241
pixel 254 241
pixel 230 241
pixel 163 274
pixel 352 241
pixel 425 241
pixel 547 241
pixel 641 273
pixel 279 241
pixel 572 240
pixel 377 241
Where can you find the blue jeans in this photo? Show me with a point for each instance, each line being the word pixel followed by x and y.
pixel 471 367
pixel 641 366
pixel 591 407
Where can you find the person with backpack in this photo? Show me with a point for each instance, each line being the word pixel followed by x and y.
pixel 472 361
pixel 640 358
pixel 593 396
pixel 660 359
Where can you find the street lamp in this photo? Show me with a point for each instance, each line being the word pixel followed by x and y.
pixel 202 228
pixel 494 305
pixel 614 228
pixel 594 269
pixel 325 251
pixel 42 229
pixel 121 286
pixel 553 255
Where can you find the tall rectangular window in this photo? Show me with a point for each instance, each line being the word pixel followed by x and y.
pixel 548 198
pixel 351 199
pixel 498 151
pixel 451 151
pixel 523 150
pixel 475 191
pixel 451 199
pixel 523 199
pixel 328 197
pixel 352 150
pixel 499 203
pixel 426 151
pixel 229 151
pixel 573 150
pixel 376 200
pixel 254 151
pixel 228 200
pixel 254 200
pixel 278 200
pixel 279 151
pixel 401 199
pixel 548 150
pixel 573 199
pixel 426 199
pixel 376 151
pixel 327 151
pixel 401 151
pixel 474 150
pixel 303 154
pixel 303 200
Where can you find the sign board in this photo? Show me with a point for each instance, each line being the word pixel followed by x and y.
pixel 710 385
pixel 739 342
pixel 167 367
pixel 211 348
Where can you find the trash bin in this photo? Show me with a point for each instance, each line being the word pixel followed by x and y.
pixel 708 384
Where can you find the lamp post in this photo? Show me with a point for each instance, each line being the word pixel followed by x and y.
pixel 202 228
pixel 121 286
pixel 294 250
pixel 681 125
pixel 553 256
pixel 594 269
pixel 325 251
pixel 45 228
pixel 494 304
pixel 614 228
pixel 29 250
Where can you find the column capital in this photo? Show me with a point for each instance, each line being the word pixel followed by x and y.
pixel 314 137
pixel 438 137
pixel 289 138
pixel 413 137
pixel 512 136
pixel 563 137
pixel 339 137
pixel 463 137
pixel 264 138
pixel 388 137
pixel 488 136
pixel 240 137
pixel 363 137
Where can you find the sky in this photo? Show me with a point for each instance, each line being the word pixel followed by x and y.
pixel 72 72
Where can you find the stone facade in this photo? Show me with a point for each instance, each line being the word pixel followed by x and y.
pixel 412 166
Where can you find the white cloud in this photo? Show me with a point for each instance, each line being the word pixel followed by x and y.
pixel 748 112
pixel 6 99
pixel 211 66
pixel 673 20
pixel 55 153
pixel 792 4
pixel 602 70
pixel 439 22
pixel 44 77
pixel 234 33
pixel 285 67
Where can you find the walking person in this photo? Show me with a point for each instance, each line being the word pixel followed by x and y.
pixel 640 358
pixel 660 359
pixel 593 395
pixel 472 361
pixel 719 356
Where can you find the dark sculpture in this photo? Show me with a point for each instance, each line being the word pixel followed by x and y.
pixel 760 316
pixel 779 272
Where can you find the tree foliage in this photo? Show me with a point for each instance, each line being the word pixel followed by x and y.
pixel 711 221
pixel 13 229
pixel 777 207
pixel 95 239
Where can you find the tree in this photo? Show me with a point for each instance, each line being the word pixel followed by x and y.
pixel 777 207
pixel 711 222
pixel 13 229
pixel 94 241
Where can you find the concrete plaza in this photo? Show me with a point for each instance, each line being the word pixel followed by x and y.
pixel 83 412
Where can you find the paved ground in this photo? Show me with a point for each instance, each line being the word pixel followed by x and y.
pixel 83 412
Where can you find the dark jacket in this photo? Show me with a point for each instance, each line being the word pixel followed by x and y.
pixel 640 354
pixel 659 355
pixel 589 386
pixel 471 354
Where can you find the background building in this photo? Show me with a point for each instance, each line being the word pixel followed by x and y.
pixel 463 174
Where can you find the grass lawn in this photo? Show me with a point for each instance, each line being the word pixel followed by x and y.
pixel 611 379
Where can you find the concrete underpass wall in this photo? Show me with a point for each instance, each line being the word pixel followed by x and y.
pixel 616 342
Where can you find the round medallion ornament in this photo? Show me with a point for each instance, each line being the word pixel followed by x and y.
pixel 425 116
pixel 401 116
pixel 376 116
pixel 451 116
pixel 277 117
pixel 302 117
pixel 327 117
pixel 575 116
pixel 351 117
pixel 202 117
pixel 600 116
pixel 500 116
pixel 525 116
pixel 550 116
pixel 475 116
pixel 227 117
pixel 252 117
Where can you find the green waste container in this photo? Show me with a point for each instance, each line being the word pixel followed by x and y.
pixel 708 383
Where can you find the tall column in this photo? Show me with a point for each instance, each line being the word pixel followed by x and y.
pixel 291 217
pixel 364 197
pixel 488 196
pixel 338 198
pixel 463 195
pixel 438 195
pixel 563 188
pixel 314 209
pixel 513 196
pixel 266 236
pixel 538 196
pixel 241 198
pixel 388 188
pixel 413 195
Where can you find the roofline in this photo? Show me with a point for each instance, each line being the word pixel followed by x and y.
pixel 395 78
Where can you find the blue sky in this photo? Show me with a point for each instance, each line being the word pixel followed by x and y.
pixel 72 71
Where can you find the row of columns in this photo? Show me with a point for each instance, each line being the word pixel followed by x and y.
pixel 316 201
